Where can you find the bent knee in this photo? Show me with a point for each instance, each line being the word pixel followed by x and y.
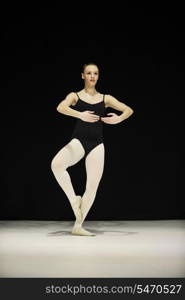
pixel 57 164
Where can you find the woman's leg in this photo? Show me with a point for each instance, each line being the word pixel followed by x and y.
pixel 66 157
pixel 94 169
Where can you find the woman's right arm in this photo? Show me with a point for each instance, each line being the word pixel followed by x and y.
pixel 64 108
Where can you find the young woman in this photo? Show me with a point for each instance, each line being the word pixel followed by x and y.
pixel 87 140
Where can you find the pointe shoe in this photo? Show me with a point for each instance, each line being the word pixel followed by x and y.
pixel 76 208
pixel 81 231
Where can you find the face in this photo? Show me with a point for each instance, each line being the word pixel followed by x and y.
pixel 90 75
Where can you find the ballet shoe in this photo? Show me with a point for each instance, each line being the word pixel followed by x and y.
pixel 78 230
pixel 76 208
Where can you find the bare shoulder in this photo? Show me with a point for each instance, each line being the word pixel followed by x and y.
pixel 107 98
pixel 69 100
pixel 113 102
pixel 73 97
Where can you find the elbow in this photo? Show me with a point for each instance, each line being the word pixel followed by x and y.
pixel 130 111
pixel 59 108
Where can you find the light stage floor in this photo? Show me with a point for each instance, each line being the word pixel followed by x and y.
pixel 140 248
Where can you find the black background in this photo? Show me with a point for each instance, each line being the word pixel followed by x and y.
pixel 140 53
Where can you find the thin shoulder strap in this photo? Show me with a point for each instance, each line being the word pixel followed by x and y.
pixel 103 97
pixel 77 95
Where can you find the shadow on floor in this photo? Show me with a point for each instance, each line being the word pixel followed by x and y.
pixel 97 232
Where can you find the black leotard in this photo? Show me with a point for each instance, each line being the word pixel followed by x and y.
pixel 90 134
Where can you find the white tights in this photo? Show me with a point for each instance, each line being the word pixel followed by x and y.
pixel 69 155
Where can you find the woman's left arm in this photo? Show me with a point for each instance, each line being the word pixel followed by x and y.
pixel 112 102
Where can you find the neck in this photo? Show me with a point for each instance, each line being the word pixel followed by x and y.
pixel 90 90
